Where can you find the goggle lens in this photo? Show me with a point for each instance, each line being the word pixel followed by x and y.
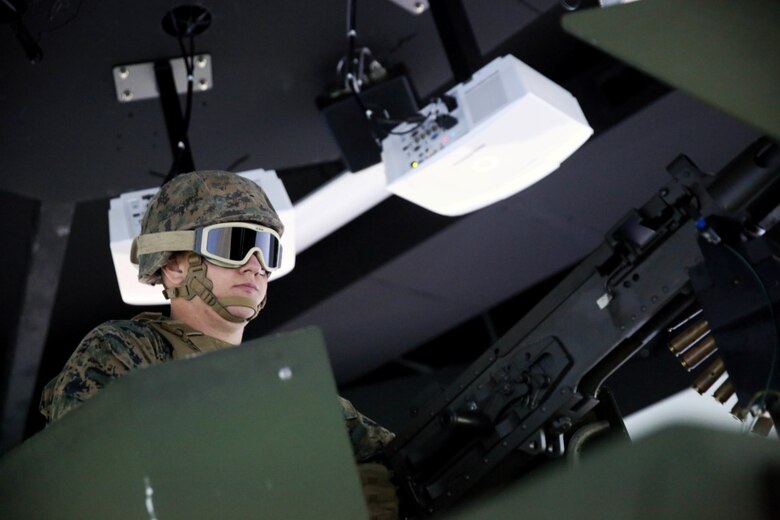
pixel 233 245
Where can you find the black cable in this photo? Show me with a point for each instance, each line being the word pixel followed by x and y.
pixel 12 7
pixel 232 166
pixel 417 118
pixel 410 130
pixel 52 14
pixel 351 31
pixel 352 79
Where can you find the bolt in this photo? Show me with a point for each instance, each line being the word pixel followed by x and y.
pixel 201 61
pixel 285 373
pixel 127 95
pixel 419 7
pixel 203 83
pixel 123 72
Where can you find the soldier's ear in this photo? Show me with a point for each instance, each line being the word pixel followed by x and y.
pixel 174 271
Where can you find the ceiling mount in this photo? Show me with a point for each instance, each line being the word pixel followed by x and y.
pixel 186 21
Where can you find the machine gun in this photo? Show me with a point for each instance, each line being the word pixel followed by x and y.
pixel 699 246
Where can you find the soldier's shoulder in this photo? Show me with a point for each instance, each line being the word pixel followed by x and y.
pixel 131 328
pixel 123 332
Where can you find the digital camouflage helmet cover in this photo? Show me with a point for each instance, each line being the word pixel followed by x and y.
pixel 190 201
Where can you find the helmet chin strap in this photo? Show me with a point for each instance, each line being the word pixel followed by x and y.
pixel 197 284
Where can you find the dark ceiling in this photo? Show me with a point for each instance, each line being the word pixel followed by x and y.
pixel 383 286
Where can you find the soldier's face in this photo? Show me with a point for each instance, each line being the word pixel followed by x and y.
pixel 249 281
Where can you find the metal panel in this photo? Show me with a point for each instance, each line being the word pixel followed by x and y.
pixel 249 432
pixel 136 82
pixel 724 53
pixel 681 472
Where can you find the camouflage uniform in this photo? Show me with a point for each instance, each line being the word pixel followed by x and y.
pixel 114 348
pixel 187 202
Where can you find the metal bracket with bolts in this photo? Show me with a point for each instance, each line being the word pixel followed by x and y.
pixel 137 81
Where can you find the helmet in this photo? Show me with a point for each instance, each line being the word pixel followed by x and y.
pixel 198 199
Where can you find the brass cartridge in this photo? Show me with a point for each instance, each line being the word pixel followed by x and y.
pixel 739 411
pixel 709 376
pixel 724 392
pixel 693 357
pixel 688 337
pixel 762 426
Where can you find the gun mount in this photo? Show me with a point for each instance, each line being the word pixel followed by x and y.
pixel 522 401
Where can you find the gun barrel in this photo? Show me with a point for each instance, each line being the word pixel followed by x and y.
pixel 744 178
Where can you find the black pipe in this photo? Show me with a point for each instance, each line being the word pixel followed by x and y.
pixel 457 37
pixel 174 121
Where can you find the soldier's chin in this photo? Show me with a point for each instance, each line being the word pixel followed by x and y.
pixel 240 311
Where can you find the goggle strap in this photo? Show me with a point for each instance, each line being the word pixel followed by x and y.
pixel 163 241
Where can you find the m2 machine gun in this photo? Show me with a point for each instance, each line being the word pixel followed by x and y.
pixel 703 246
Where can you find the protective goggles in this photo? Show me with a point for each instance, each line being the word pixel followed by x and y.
pixel 232 244
pixel 228 245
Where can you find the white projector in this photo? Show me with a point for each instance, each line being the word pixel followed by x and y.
pixel 124 224
pixel 501 131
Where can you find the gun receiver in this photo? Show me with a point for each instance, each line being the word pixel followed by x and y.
pixel 516 405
